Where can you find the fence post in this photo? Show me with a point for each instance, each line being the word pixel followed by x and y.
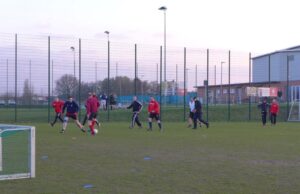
pixel 157 87
pixel 269 70
pixel 79 84
pixel 249 116
pixel 7 97
pixel 30 86
pixel 176 85
pixel 184 84
pixel 207 82
pixel 287 86
pixel 48 79
pixel 135 68
pixel 16 76
pixel 52 76
pixel 229 84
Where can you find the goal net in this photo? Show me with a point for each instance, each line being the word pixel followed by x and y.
pixel 17 152
pixel 294 114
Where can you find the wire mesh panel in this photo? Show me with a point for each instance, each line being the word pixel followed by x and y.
pixel 239 83
pixel 35 69
pixel 64 59
pixel 32 77
pixel 218 87
pixel 148 77
pixel 196 76
pixel 7 77
pixel 121 87
pixel 93 71
pixel 173 85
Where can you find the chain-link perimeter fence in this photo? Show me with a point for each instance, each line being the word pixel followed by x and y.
pixel 36 69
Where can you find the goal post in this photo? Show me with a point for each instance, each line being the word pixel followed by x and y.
pixel 1 152
pixel 17 152
pixel 294 112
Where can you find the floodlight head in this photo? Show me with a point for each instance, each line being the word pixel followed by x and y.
pixel 72 48
pixel 163 8
pixel 106 32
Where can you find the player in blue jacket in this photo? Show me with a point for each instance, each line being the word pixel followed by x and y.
pixel 72 109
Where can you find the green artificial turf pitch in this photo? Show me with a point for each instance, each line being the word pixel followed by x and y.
pixel 239 157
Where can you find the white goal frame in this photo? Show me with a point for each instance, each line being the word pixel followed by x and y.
pixel 31 157
pixel 294 102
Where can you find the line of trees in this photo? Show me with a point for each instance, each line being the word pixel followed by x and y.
pixel 69 85
pixel 120 86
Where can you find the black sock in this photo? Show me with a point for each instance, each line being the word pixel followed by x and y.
pixel 159 125
pixel 150 125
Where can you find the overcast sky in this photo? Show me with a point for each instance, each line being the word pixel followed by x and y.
pixel 245 25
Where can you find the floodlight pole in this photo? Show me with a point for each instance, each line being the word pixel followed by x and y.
pixel 108 73
pixel 160 81
pixel 184 83
pixel 49 59
pixel 16 75
pixel 74 60
pixel 250 58
pixel 164 9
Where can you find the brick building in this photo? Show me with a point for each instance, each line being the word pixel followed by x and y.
pixel 276 69
pixel 218 94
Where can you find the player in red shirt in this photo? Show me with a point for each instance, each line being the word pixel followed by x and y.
pixel 92 106
pixel 274 110
pixel 57 104
pixel 153 111
pixel 86 116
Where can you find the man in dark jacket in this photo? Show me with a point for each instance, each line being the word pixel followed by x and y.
pixel 198 113
pixel 264 107
pixel 72 112
pixel 136 109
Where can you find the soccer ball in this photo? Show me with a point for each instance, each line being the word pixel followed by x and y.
pixel 96 131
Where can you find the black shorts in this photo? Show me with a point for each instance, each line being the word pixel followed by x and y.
pixel 192 115
pixel 93 116
pixel 155 116
pixel 58 114
pixel 72 115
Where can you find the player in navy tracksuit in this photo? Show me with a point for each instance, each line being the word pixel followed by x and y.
pixel 198 113
pixel 136 109
pixel 72 112
pixel 264 107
